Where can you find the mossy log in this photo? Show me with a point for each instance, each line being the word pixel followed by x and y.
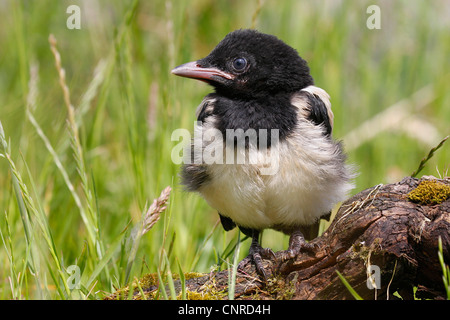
pixel 387 230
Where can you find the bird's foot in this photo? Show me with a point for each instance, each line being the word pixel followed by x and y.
pixel 297 242
pixel 256 255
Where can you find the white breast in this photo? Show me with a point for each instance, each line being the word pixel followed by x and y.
pixel 310 179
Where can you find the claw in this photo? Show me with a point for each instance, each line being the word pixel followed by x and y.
pixel 256 255
pixel 297 242
pixel 269 254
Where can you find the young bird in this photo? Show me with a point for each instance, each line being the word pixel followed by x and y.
pixel 262 84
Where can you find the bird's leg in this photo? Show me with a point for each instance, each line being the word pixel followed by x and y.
pixel 296 243
pixel 256 254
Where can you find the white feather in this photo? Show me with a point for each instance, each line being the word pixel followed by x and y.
pixel 310 179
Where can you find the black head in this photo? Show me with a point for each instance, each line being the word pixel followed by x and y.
pixel 247 63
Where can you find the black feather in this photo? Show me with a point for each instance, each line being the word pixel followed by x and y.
pixel 248 231
pixel 193 176
pixel 227 223
pixel 318 112
pixel 207 108
pixel 272 112
pixel 274 67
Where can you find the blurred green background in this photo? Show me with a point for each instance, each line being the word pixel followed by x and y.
pixel 389 91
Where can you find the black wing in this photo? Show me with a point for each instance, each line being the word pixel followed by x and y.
pixel 206 108
pixel 227 223
pixel 194 175
pixel 313 107
pixel 319 112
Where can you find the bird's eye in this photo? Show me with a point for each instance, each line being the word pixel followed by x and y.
pixel 239 64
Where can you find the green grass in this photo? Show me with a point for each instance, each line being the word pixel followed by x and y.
pixel 78 167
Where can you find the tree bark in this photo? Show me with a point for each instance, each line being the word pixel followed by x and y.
pixel 378 231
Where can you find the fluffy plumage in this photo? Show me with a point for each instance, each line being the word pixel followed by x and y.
pixel 263 84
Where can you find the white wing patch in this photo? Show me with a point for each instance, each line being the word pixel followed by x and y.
pixel 301 103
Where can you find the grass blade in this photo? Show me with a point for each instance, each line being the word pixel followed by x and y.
pixel 173 294
pixel 105 259
pixel 349 287
pixel 162 288
pixel 183 281
pixel 232 281
pixel 428 157
pixel 445 269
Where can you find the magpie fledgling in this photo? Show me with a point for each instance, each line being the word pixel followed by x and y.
pixel 262 84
